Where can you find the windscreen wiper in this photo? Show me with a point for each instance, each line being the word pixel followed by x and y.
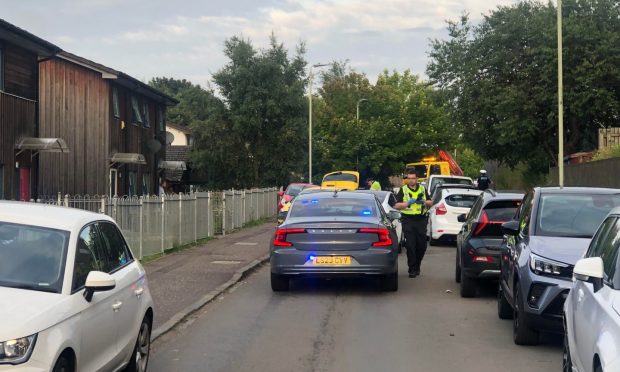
pixel 33 287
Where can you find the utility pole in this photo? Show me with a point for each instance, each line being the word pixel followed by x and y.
pixel 560 100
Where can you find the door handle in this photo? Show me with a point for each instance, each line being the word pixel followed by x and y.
pixel 117 306
pixel 138 292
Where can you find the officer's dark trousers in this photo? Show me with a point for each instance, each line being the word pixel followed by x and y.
pixel 415 235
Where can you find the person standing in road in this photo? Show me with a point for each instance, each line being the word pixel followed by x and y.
pixel 484 181
pixel 373 184
pixel 413 203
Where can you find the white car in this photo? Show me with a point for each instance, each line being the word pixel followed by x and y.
pixel 438 179
pixel 448 204
pixel 592 308
pixel 388 200
pixel 72 296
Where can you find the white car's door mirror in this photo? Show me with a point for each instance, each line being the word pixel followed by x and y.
pixel 98 281
pixel 590 270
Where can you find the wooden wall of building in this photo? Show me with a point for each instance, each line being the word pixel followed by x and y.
pixel 74 104
pixel 20 71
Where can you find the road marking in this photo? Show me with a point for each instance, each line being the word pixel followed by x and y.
pixel 226 262
pixel 245 243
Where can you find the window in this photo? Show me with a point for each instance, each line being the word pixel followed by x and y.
pixel 501 210
pixel 135 108
pixel 115 251
pixel 596 244
pixel 606 247
pixel 475 209
pixel 190 140
pixel 147 119
pixel 333 207
pixel 1 181
pixel 525 214
pixel 132 183
pixel 461 200
pixel 1 68
pixel 146 181
pixel 160 119
pixel 87 256
pixel 115 108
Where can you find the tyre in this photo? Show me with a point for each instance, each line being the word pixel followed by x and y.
pixel 522 334
pixel 142 350
pixel 468 286
pixel 63 364
pixel 389 282
pixel 504 310
pixel 279 283
pixel 567 363
pixel 457 269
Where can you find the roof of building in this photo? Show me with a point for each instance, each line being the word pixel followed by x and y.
pixel 176 153
pixel 180 128
pixel 26 40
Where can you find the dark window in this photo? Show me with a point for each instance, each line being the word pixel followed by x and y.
pixel 475 209
pixel 190 140
pixel 573 215
pixel 87 256
pixel 1 68
pixel 160 119
pixel 334 207
pixel 146 116
pixel 146 181
pixel 1 181
pixel 435 169
pixel 136 118
pixel 461 200
pixel 115 108
pixel 525 214
pixel 502 210
pixel 606 245
pixel 420 170
pixel 132 178
pixel 115 251
pixel 294 190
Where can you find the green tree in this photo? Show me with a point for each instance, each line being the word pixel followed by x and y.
pixel 500 79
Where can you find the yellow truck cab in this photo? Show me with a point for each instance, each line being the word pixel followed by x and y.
pixel 341 180
pixel 426 168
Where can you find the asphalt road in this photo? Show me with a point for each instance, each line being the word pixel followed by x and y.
pixel 349 325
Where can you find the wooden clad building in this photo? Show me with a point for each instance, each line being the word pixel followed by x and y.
pixel 113 124
pixel 20 54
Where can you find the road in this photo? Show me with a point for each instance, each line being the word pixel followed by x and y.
pixel 349 325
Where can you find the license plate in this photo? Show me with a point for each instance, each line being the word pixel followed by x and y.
pixel 331 261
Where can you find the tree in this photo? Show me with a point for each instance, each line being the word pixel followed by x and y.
pixel 500 78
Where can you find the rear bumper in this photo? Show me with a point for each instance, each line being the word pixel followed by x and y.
pixel 366 262
pixel 442 228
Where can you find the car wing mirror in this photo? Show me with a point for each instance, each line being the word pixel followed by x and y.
pixel 511 228
pixel 461 217
pixel 590 270
pixel 98 281
pixel 280 193
pixel 395 215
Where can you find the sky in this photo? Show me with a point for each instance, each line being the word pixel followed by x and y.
pixel 184 39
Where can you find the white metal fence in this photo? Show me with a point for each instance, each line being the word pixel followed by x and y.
pixel 154 224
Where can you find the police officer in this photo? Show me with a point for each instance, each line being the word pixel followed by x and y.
pixel 484 181
pixel 413 202
pixel 373 184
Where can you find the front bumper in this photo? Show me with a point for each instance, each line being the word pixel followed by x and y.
pixel 372 261
pixel 544 299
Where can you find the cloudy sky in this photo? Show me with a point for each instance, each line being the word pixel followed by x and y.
pixel 184 38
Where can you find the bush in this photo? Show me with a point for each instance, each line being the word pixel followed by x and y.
pixel 607 152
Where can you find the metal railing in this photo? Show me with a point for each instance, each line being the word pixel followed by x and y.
pixel 153 224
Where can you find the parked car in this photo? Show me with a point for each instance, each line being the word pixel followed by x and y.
pixel 292 190
pixel 479 242
pixel 448 204
pixel 552 231
pixel 437 190
pixel 437 179
pixel 335 234
pixel 592 309
pixel 72 296
pixel 341 180
pixel 388 200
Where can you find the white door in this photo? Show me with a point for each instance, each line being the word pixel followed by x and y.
pixel 97 322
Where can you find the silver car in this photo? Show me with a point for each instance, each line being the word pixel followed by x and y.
pixel 335 234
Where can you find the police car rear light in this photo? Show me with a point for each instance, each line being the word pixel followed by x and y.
pixel 280 238
pixel 384 236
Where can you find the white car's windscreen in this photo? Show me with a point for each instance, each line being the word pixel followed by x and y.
pixel 32 257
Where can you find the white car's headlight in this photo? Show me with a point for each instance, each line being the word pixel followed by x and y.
pixel 17 351
pixel 544 266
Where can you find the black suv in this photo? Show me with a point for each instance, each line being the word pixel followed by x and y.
pixel 552 230
pixel 478 244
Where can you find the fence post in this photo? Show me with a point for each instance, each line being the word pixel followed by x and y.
pixel 141 223
pixel 66 203
pixel 180 219
pixel 102 205
pixel 233 211
pixel 223 213
pixel 195 217
pixel 163 223
pixel 59 203
pixel 209 214
pixel 243 208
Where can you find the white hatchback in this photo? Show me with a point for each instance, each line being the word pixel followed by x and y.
pixel 72 296
pixel 448 204
pixel 592 308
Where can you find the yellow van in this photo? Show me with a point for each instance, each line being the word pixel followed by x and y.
pixel 426 168
pixel 341 180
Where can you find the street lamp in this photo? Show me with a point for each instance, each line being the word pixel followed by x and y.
pixel 560 100
pixel 358 107
pixel 310 76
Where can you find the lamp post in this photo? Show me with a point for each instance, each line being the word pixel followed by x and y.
pixel 560 101
pixel 310 76
pixel 358 107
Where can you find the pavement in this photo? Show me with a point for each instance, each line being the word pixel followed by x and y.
pixel 183 282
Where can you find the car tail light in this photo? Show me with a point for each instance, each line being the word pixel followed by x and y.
pixel 483 259
pixel 441 209
pixel 484 221
pixel 280 239
pixel 384 236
